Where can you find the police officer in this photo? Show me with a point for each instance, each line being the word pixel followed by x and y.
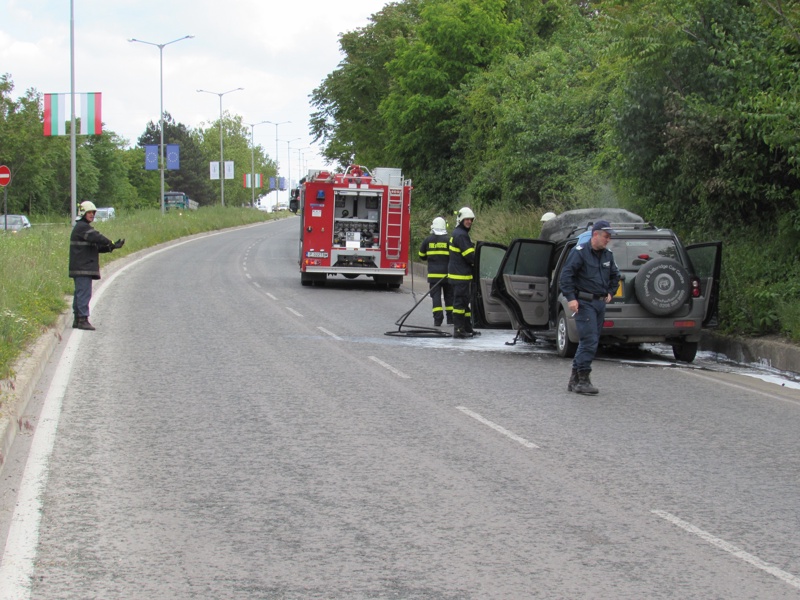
pixel 435 251
pixel 588 281
pixel 85 246
pixel 462 261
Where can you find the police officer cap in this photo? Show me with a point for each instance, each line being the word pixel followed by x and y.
pixel 603 226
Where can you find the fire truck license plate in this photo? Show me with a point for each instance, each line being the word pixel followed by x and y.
pixel 317 254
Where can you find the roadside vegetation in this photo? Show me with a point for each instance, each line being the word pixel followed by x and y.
pixel 35 284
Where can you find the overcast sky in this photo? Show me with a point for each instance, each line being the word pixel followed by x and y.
pixel 277 51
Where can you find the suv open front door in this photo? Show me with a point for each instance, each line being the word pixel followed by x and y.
pixel 487 311
pixel 707 260
pixel 522 283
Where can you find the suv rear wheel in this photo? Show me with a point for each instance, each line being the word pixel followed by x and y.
pixel 685 351
pixel 565 348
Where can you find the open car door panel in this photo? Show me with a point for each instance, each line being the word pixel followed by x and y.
pixel 707 262
pixel 487 311
pixel 522 283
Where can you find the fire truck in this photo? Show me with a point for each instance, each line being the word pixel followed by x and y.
pixel 355 223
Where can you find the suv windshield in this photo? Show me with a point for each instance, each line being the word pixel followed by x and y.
pixel 632 254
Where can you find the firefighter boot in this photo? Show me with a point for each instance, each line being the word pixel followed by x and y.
pixel 584 385
pixel 83 323
pixel 75 322
pixel 437 319
pixel 468 327
pixel 573 380
pixel 449 317
pixel 459 330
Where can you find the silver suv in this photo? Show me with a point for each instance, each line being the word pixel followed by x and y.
pixel 668 292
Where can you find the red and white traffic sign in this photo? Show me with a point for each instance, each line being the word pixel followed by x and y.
pixel 5 175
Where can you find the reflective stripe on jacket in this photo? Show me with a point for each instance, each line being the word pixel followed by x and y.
pixel 435 250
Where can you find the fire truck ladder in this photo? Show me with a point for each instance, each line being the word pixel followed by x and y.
pixel 394 223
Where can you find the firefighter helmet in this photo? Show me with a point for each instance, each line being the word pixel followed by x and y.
pixel 439 226
pixel 87 206
pixel 465 213
pixel 547 216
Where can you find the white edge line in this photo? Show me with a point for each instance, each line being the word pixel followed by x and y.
pixel 739 387
pixel 330 333
pixel 730 548
pixel 498 428
pixel 293 311
pixel 389 367
pixel 271 296
pixel 16 569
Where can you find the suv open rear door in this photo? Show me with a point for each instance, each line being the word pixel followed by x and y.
pixel 488 312
pixel 522 283
pixel 707 262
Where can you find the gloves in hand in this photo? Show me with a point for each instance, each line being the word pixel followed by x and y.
pixel 119 243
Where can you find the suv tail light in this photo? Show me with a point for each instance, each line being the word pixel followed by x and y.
pixel 696 291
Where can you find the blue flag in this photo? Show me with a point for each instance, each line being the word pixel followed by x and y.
pixel 173 156
pixel 151 158
pixel 272 183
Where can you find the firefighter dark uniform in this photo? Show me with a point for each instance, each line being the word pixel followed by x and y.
pixel 590 276
pixel 435 250
pixel 460 267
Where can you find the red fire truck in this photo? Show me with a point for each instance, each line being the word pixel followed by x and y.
pixel 355 223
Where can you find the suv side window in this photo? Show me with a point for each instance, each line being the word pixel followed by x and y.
pixel 630 254
pixel 531 260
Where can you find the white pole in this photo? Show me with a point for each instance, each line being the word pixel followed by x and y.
pixel 73 173
pixel 221 155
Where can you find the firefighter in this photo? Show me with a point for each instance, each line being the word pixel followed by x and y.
pixel 435 250
pixel 460 267
pixel 85 245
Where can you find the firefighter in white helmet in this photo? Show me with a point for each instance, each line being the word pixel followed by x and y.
pixel 435 250
pixel 85 245
pixel 460 268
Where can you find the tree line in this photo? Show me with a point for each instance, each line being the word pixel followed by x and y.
pixel 686 110
pixel 109 172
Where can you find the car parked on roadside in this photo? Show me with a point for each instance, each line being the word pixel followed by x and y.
pixel 668 292
pixel 14 223
pixel 105 214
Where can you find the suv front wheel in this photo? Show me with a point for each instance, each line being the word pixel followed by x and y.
pixel 565 347
pixel 684 351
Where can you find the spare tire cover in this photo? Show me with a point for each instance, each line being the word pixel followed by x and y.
pixel 662 286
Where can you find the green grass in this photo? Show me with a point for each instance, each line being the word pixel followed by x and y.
pixel 33 265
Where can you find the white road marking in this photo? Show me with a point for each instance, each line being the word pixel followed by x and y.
pixel 19 555
pixel 496 427
pixel 255 283
pixel 248 275
pixel 792 580
pixel 271 296
pixel 389 367
pixel 740 387
pixel 294 312
pixel 330 333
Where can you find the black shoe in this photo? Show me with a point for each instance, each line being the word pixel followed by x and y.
pixel 573 381
pixel 462 334
pixel 584 384
pixel 83 323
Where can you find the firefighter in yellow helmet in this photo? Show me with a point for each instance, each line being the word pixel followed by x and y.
pixel 460 267
pixel 85 245
pixel 435 251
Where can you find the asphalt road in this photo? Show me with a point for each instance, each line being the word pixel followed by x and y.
pixel 228 433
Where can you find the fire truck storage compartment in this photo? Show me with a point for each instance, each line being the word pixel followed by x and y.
pixel 356 220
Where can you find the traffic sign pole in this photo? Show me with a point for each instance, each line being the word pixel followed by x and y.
pixel 5 179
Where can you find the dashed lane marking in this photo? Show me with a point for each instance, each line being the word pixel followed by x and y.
pixel 498 428
pixel 294 312
pixel 389 367
pixel 330 333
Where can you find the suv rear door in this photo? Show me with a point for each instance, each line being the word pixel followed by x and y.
pixel 522 283
pixel 486 310
pixel 707 262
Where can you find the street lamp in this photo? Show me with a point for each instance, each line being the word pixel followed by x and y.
pixel 161 114
pixel 277 168
pixel 221 154
pixel 300 158
pixel 253 159
pixel 289 160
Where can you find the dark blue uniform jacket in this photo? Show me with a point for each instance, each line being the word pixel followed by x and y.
pixel 589 271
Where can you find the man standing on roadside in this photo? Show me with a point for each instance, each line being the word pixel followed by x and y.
pixel 460 267
pixel 588 281
pixel 85 245
pixel 435 251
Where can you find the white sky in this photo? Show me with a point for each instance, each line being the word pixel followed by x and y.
pixel 277 51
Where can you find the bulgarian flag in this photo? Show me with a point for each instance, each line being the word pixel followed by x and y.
pixel 247 180
pixel 55 114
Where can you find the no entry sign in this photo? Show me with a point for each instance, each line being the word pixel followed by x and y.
pixel 5 175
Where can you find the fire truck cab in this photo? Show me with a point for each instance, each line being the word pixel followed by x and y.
pixel 355 223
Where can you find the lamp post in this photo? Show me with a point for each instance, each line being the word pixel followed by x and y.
pixel 289 160
pixel 277 168
pixel 161 158
pixel 221 154
pixel 300 157
pixel 253 159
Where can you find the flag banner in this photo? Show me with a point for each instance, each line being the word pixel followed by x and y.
pixel 151 158
pixel 247 180
pixel 91 119
pixel 282 181
pixel 271 183
pixel 228 169
pixel 55 114
pixel 258 180
pixel 214 165
pixel 173 157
